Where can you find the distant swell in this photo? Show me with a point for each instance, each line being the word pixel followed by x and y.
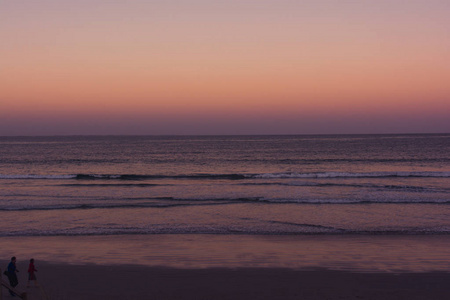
pixel 300 229
pixel 149 177
pixel 126 176
pixel 174 202
pixel 106 206
pixel 32 176
pixel 418 189
pixel 114 185
pixel 289 175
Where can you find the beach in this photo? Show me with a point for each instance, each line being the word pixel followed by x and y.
pixel 228 217
pixel 237 267
pixel 212 150
pixel 64 281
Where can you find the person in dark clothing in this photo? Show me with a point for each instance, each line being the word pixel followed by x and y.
pixel 13 281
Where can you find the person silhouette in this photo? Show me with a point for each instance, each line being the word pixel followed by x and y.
pixel 12 276
pixel 31 275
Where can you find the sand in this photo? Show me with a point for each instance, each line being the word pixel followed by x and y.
pixel 64 281
pixel 238 267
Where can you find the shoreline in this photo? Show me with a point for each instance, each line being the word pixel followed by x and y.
pixel 233 267
pixel 359 253
pixel 66 281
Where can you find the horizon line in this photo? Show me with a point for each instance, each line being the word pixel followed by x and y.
pixel 230 135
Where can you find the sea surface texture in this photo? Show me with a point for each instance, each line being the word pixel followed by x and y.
pixel 227 185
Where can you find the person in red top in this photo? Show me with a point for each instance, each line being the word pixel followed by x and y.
pixel 31 275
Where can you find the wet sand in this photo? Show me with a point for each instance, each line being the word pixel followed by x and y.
pixel 64 281
pixel 234 267
pixel 355 253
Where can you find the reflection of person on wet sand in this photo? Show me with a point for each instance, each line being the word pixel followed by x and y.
pixel 13 281
pixel 31 275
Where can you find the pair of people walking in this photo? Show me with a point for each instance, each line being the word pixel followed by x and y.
pixel 12 270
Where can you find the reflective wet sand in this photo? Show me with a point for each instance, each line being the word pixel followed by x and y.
pixel 376 253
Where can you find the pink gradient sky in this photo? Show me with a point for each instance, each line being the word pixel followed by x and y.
pixel 224 67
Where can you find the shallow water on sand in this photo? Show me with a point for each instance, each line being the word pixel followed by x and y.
pixel 351 252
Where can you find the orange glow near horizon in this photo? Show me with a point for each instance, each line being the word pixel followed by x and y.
pixel 194 59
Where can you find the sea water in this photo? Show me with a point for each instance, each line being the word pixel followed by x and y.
pixel 225 187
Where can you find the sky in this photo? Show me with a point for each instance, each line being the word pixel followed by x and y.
pixel 224 67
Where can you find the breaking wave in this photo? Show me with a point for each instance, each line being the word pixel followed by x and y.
pixel 242 176
pixel 297 229
pixel 352 175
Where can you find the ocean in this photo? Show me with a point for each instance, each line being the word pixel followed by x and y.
pixel 278 192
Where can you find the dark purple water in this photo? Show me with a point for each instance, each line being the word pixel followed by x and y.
pixel 228 185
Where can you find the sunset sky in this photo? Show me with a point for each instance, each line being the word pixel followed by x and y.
pixel 224 67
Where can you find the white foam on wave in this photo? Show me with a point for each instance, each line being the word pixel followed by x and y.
pixel 351 175
pixel 103 176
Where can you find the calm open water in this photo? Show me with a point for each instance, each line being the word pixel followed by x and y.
pixel 367 184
